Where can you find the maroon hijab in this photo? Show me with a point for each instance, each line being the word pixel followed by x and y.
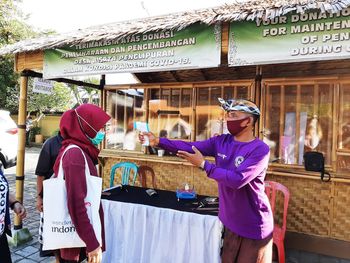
pixel 72 132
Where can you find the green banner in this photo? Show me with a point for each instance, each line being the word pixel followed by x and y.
pixel 198 46
pixel 296 37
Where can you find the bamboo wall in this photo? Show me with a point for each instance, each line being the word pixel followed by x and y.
pixel 168 176
pixel 315 207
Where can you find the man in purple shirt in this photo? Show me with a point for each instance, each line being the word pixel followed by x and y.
pixel 241 162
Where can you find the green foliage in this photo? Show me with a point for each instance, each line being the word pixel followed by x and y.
pixel 86 94
pixel 8 83
pixel 55 132
pixel 34 131
pixel 12 29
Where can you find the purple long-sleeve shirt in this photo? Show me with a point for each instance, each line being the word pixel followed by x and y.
pixel 239 169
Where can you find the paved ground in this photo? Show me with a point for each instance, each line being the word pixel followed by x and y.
pixel 28 252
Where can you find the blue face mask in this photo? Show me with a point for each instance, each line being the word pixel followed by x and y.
pixel 98 138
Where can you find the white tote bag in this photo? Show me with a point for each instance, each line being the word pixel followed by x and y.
pixel 58 229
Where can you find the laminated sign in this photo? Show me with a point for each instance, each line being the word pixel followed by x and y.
pixel 42 86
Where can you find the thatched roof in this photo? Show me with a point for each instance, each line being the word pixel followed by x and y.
pixel 250 10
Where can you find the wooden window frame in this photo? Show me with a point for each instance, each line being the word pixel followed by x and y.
pixel 296 169
pixel 193 85
pixel 299 82
pixel 338 121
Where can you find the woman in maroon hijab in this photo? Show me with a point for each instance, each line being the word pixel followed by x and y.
pixel 81 127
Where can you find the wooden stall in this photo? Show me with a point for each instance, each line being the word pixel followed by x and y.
pixel 303 95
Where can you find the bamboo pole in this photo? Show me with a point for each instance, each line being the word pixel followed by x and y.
pixel 337 122
pixel 256 97
pixel 193 115
pixel 145 115
pixel 21 145
pixel 222 114
pixel 282 119
pixel 207 131
pixel 265 102
pixel 146 97
pixel 297 125
pixel 102 104
pixel 234 92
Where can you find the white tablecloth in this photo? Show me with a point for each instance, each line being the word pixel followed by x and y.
pixel 137 233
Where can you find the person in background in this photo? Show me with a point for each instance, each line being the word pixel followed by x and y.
pixel 314 133
pixel 7 201
pixel 163 134
pixel 130 138
pixel 241 161
pixel 82 127
pixel 29 125
pixel 44 170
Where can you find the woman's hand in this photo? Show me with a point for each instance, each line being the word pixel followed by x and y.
pixel 95 256
pixel 195 158
pixel 39 203
pixel 153 140
pixel 20 210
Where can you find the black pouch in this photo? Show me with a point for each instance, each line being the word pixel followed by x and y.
pixel 314 161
